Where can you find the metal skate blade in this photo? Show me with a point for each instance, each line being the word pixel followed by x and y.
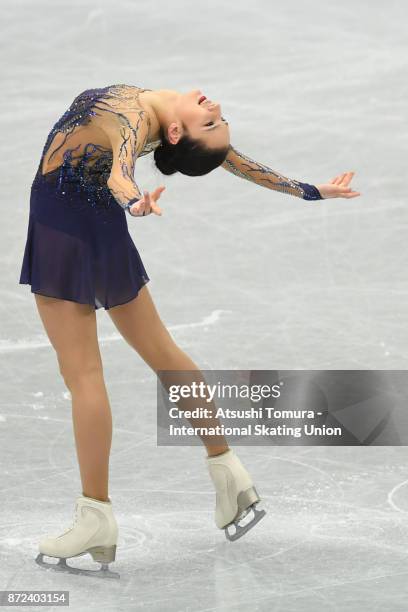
pixel 243 529
pixel 62 566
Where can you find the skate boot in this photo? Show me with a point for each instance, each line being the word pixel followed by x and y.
pixel 236 495
pixel 94 531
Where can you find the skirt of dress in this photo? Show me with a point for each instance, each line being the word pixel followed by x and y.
pixel 78 245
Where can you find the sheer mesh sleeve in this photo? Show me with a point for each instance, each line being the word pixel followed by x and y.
pixel 239 164
pixel 127 140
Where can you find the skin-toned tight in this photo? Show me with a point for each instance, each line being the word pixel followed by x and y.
pixel 72 330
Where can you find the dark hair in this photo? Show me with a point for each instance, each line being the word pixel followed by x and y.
pixel 188 156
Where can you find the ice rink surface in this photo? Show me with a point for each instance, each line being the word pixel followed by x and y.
pixel 243 277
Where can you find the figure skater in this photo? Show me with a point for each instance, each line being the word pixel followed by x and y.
pixel 79 256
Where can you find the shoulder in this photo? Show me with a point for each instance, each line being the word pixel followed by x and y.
pixel 116 122
pixel 127 131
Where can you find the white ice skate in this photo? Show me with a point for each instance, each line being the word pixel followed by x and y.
pixel 94 531
pixel 236 495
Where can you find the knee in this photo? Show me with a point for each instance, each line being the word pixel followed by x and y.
pixel 79 375
pixel 169 356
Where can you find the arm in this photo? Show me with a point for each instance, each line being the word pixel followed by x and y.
pixel 247 168
pixel 127 141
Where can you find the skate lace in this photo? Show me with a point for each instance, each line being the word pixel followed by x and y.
pixel 74 522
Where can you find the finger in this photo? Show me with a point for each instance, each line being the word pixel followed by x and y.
pixel 141 206
pixel 158 191
pixel 339 179
pixel 148 198
pixel 347 178
pixel 156 194
pixel 350 190
pixel 156 209
pixel 134 209
pixel 344 192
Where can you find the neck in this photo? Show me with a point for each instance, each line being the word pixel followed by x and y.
pixel 160 105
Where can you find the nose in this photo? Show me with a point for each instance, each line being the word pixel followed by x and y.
pixel 217 108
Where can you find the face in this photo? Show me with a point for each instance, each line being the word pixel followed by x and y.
pixel 204 121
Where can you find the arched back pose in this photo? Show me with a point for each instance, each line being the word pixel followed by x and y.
pixel 79 256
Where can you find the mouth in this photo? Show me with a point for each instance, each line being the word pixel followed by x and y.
pixel 201 99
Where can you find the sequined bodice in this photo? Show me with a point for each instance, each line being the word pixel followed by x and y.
pixel 77 139
pixel 102 132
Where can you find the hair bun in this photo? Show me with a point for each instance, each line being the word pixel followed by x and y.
pixel 189 156
pixel 163 156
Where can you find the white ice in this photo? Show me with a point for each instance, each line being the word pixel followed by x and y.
pixel 244 277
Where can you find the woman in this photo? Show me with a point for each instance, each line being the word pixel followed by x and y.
pixel 79 256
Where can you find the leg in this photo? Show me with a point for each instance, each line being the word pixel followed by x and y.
pixel 71 328
pixel 140 325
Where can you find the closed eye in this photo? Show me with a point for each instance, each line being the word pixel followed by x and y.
pixel 212 122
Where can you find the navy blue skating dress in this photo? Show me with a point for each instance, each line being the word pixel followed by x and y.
pixel 78 245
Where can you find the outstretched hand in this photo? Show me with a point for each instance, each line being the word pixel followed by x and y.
pixel 338 187
pixel 147 204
